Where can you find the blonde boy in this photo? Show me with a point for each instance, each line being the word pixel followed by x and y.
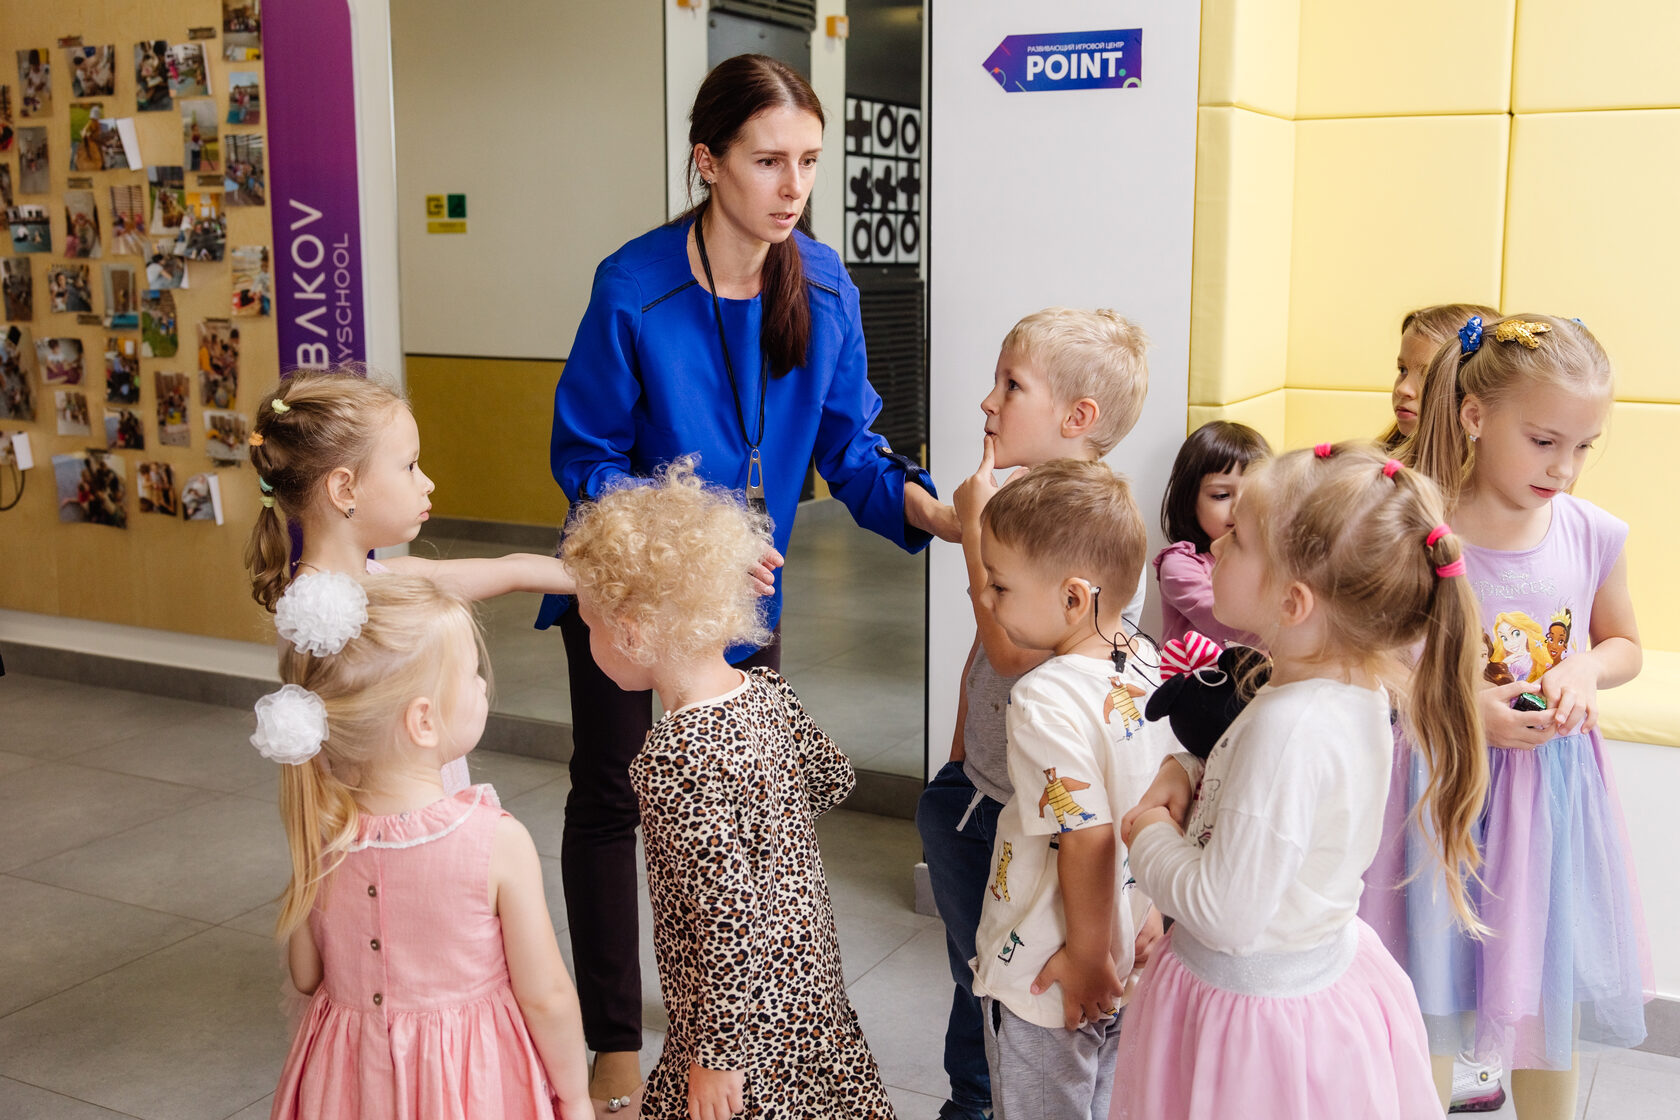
pixel 1057 942
pixel 1068 384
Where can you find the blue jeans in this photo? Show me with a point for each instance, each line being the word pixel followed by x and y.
pixel 959 866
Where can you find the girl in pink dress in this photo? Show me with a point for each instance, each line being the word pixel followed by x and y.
pixel 415 920
pixel 337 457
pixel 1272 998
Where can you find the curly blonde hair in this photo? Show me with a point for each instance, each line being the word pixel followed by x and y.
pixel 665 563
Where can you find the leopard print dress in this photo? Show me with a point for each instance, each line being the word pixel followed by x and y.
pixel 749 963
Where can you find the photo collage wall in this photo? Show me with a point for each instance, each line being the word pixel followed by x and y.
pixel 137 273
pixel 883 182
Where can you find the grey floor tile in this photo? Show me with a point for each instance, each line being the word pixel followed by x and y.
pixel 26 1102
pixel 54 807
pixel 908 1105
pixel 259 920
pixel 211 862
pixel 902 1003
pixel 21 689
pixel 53 939
pixel 543 811
pixel 211 752
pixel 10 762
pixel 62 723
pixel 865 943
pixel 256 1110
pixel 868 861
pixel 512 774
pixel 191 1032
pixel 1633 1085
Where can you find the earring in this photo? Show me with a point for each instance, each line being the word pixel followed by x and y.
pixel 1472 439
pixel 349 513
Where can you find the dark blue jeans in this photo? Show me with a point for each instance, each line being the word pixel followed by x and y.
pixel 959 866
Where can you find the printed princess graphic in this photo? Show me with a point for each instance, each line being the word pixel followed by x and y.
pixel 1520 649
pixel 1058 797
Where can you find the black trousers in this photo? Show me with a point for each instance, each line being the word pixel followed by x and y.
pixel 598 844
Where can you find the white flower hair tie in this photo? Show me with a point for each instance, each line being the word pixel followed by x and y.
pixel 291 725
pixel 320 612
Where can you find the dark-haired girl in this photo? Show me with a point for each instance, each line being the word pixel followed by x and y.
pixel 731 335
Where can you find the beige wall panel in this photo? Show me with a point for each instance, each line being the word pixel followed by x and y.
pixel 1614 54
pixel 1592 234
pixel 1249 54
pixel 1366 58
pixel 1630 459
pixel 1265 414
pixel 1333 415
pixel 1384 222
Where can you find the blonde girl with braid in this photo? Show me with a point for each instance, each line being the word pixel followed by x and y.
pixel 415 920
pixel 1272 998
pixel 1513 411
pixel 337 455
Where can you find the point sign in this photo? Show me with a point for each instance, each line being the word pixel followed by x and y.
pixel 1068 60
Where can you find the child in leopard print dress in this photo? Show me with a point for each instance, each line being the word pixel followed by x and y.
pixel 730 784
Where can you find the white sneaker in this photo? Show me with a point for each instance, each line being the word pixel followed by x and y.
pixel 1476 1087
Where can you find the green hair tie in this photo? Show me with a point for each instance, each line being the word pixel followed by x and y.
pixel 267 502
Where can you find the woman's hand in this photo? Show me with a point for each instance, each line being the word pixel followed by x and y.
pixel 1571 691
pixel 1508 728
pixel 714 1094
pixel 764 572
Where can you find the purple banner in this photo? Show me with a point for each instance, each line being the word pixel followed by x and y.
pixel 310 103
pixel 1068 60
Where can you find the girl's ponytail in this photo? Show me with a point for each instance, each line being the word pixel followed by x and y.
pixel 320 819
pixel 268 555
pixel 1446 726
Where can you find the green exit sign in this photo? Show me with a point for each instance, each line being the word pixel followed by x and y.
pixel 457 206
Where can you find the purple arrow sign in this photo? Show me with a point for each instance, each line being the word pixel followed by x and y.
pixel 1068 60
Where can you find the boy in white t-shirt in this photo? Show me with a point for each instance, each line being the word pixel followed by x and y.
pixel 1063 926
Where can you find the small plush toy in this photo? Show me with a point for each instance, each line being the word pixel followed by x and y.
pixel 1198 696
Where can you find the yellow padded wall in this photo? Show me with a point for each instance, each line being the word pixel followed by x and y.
pixel 1390 213
pixel 1363 58
pixel 1249 54
pixel 1591 234
pixel 1239 289
pixel 1613 54
pixel 1330 416
pixel 1265 414
pixel 1620 476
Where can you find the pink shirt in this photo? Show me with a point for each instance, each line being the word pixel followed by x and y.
pixel 1186 580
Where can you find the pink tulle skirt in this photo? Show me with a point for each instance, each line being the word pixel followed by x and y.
pixel 1354 1046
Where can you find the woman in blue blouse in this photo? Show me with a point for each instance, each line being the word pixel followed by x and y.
pixel 731 335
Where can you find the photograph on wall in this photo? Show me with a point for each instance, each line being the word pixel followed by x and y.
pixel 128 220
pixel 252 283
pixel 31 229
pixel 168 203
pixel 151 76
pixel 99 144
pixel 81 225
pixel 72 409
pixel 93 71
pixel 91 488
pixel 71 289
pixel 203 232
pixel 35 83
pixel 245 183
pixel 59 360
pixel 7 134
pixel 157 325
pixel 33 177
pixel 164 270
pixel 241 29
pixel 218 363
pixel 6 198
pixel 122 371
pixel 199 131
pixel 224 436
pixel 17 399
pixel 201 498
pixel 154 485
pixel 188 75
pixel 172 390
pixel 244 97
pixel 19 285
pixel 883 182
pixel 123 431
pixel 122 297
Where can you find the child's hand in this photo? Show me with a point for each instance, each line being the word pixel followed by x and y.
pixel 764 572
pixel 1170 791
pixel 714 1094
pixel 1571 691
pixel 1150 933
pixel 1091 990
pixel 1141 818
pixel 977 489
pixel 1508 728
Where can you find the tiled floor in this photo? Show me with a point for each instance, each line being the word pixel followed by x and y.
pixel 853 626
pixel 139 852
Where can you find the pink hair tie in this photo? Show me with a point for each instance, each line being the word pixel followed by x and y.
pixel 1436 534
pixel 1392 468
pixel 1447 571
pixel 1323 450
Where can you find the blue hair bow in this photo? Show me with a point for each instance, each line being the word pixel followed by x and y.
pixel 1470 336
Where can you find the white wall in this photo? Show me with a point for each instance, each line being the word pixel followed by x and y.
pixel 1081 198
pixel 550 118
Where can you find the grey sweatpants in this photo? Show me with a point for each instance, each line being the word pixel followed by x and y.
pixel 1049 1073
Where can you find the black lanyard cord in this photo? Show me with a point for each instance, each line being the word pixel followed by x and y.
pixel 752 442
